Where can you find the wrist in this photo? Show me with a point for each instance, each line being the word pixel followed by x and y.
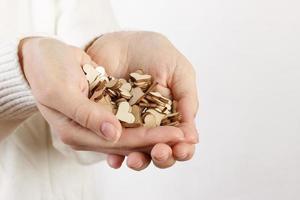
pixel 23 47
pixel 26 46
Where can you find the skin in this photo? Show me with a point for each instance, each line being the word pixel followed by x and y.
pixel 125 52
pixel 53 71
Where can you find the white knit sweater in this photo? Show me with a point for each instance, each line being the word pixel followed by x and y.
pixel 16 100
pixel 34 164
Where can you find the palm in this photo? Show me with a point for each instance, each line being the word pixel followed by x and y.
pixel 122 53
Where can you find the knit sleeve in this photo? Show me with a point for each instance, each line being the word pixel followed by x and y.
pixel 16 100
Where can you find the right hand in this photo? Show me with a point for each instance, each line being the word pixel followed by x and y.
pixel 125 52
pixel 53 70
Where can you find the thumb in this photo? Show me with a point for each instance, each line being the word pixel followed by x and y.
pixel 94 116
pixel 71 102
pixel 88 114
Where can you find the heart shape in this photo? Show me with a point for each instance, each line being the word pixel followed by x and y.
pixel 149 121
pixel 124 113
pixel 137 94
pixel 126 86
pixel 91 72
pixel 158 116
pixel 140 77
pixel 101 71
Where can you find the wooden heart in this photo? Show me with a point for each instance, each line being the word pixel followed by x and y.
pixel 150 121
pixel 113 84
pixel 158 116
pixel 137 94
pixel 140 77
pixel 124 113
pixel 91 72
pixel 136 111
pixel 126 86
pixel 101 71
pixel 161 98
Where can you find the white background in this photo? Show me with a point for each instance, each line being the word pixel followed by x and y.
pixel 247 55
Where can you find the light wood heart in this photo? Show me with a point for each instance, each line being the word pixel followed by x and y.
pixel 150 121
pixel 124 113
pixel 158 116
pixel 140 77
pixel 137 94
pixel 91 72
pixel 126 86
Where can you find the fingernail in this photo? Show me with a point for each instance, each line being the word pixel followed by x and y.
pixel 108 131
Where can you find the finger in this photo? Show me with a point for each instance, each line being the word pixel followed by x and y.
pixel 73 134
pixel 183 151
pixel 143 137
pixel 69 131
pixel 188 128
pixel 72 101
pixel 138 161
pixel 115 161
pixel 185 93
pixel 162 156
pixel 184 89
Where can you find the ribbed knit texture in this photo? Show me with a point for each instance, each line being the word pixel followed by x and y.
pixel 16 100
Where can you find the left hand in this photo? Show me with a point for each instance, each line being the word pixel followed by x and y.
pixel 125 52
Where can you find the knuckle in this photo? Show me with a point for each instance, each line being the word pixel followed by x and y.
pixel 174 134
pixel 118 146
pixel 82 115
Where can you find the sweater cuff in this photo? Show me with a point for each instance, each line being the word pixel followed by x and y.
pixel 16 100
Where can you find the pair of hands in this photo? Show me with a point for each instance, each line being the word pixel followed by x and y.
pixel 53 70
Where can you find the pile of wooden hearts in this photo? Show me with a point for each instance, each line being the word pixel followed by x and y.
pixel 134 102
